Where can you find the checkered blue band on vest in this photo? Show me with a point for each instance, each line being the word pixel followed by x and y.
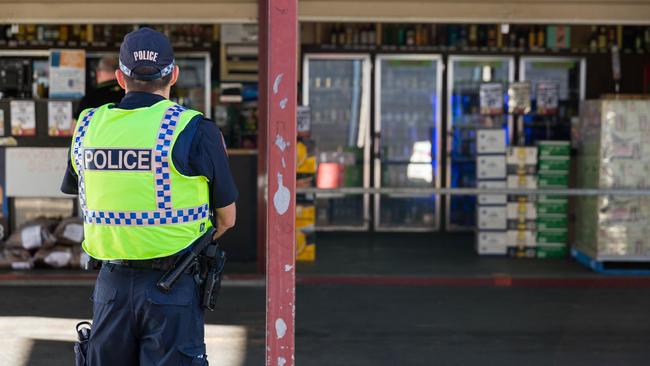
pixel 164 213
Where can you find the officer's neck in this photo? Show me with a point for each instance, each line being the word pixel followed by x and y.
pixel 163 93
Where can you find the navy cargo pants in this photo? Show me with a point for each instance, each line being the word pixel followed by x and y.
pixel 134 324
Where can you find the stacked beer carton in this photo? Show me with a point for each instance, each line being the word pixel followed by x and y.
pixel 522 211
pixel 492 208
pixel 614 153
pixel 552 211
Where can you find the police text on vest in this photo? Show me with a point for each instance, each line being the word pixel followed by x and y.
pixel 117 159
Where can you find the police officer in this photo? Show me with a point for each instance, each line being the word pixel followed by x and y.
pixel 107 89
pixel 149 174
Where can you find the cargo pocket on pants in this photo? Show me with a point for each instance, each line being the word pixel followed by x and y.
pixel 193 355
pixel 80 353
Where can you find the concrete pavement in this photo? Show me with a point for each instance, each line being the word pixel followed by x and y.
pixel 374 325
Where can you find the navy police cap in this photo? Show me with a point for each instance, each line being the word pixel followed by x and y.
pixel 148 48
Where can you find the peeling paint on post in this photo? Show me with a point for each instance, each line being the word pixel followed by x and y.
pixel 278 70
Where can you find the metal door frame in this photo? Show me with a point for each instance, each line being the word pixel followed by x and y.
pixel 364 109
pixel 438 126
pixel 510 59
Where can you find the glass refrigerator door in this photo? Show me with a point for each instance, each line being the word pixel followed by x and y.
pixel 464 79
pixel 193 86
pixel 337 90
pixel 407 145
pixel 568 73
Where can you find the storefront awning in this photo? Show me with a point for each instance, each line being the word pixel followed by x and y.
pixel 216 11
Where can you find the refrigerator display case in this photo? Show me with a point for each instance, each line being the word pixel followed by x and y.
pixel 407 140
pixel 465 76
pixel 569 75
pixel 336 87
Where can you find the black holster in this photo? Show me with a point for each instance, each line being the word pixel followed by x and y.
pixel 81 345
pixel 211 264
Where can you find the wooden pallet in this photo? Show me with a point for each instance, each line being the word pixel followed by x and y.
pixel 612 267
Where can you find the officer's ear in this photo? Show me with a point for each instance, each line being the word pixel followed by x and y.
pixel 175 74
pixel 119 76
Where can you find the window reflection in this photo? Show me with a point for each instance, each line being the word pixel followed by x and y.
pixel 420 168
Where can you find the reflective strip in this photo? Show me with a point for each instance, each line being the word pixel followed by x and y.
pixel 78 157
pixel 147 218
pixel 164 214
pixel 164 72
pixel 167 69
pixel 161 157
pixel 125 69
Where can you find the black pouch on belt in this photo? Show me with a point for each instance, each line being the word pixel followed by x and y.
pixel 214 259
pixel 81 346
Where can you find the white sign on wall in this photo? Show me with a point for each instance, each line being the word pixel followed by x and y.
pixel 35 172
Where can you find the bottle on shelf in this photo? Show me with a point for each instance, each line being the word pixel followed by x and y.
pixel 64 33
pixel 340 36
pixel 532 38
pixel 410 36
pixel 425 35
pixel 333 39
pixel 638 41
pixel 401 35
pixel 492 34
pixel 611 37
pixel 472 36
pixel 462 39
pixel 541 38
pixel 453 34
pixel 346 34
pixel 522 38
pixel 363 35
pixel 483 38
pixel 372 34
pixel 433 35
pixel 593 38
pixel 512 39
pixel 602 38
pixel 356 37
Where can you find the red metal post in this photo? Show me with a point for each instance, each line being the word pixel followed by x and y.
pixel 278 49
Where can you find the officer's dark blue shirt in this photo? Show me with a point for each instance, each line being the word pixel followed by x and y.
pixel 199 150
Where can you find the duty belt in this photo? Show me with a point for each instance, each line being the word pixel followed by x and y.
pixel 156 264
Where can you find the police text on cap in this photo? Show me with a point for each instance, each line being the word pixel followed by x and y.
pixel 145 55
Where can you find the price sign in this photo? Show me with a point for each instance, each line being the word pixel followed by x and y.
pixel 547 97
pixel 491 95
pixel 59 118
pixel 519 98
pixel 303 114
pixel 67 73
pixel 23 117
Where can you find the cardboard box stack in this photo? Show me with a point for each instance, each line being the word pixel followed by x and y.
pixel 614 152
pixel 492 209
pixel 45 243
pixel 522 211
pixel 552 211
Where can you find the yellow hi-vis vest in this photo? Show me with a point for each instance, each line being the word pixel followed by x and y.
pixel 135 204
